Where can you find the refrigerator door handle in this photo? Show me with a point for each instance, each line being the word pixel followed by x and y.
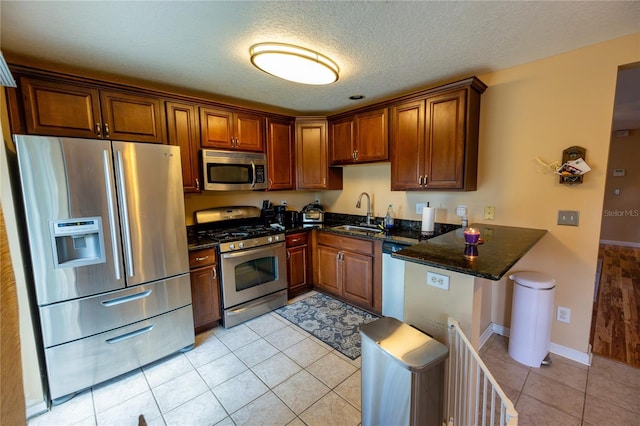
pixel 127 336
pixel 126 299
pixel 112 216
pixel 125 215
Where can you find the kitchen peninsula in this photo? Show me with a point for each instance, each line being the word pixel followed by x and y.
pixel 467 294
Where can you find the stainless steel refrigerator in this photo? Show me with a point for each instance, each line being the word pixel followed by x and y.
pixel 108 245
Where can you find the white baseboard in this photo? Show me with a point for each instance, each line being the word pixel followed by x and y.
pixel 563 351
pixel 620 243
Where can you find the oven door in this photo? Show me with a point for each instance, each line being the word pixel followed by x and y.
pixel 250 274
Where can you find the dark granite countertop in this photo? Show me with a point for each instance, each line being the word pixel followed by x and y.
pixel 503 246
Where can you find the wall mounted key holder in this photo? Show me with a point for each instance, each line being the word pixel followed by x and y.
pixel 573 166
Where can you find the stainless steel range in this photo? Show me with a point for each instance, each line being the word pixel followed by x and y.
pixel 253 272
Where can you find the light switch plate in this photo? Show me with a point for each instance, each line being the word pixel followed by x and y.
pixel 568 217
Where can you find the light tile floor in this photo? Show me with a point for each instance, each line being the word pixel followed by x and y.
pixel 566 392
pixel 270 372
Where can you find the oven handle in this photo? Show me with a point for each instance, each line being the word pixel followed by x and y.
pixel 253 251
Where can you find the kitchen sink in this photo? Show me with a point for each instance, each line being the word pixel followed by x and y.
pixel 356 228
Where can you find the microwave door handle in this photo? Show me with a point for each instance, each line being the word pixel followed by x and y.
pixel 253 171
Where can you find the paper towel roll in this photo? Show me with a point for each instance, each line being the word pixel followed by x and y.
pixel 428 219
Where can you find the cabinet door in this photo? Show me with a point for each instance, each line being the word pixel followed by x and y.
pixel 312 168
pixel 357 275
pixel 297 267
pixel 248 132
pixel 182 127
pixel 59 109
pixel 407 146
pixel 216 128
pixel 342 141
pixel 372 138
pixel 445 140
pixel 132 117
pixel 329 270
pixel 205 296
pixel 280 155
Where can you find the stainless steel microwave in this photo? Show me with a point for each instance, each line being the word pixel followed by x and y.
pixel 233 171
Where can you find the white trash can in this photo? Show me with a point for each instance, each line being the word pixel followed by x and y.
pixel 531 316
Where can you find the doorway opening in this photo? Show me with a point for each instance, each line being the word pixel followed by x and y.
pixel 615 326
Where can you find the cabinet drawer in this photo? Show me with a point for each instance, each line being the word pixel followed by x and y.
pixel 346 243
pixel 297 239
pixel 204 257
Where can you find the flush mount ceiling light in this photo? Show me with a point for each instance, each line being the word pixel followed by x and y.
pixel 294 63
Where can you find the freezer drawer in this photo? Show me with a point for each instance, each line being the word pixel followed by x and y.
pixel 86 362
pixel 76 319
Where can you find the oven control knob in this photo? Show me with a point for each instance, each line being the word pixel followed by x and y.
pixel 240 245
pixel 232 246
pixel 269 239
pixel 277 237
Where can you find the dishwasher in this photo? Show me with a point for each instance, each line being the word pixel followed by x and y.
pixel 392 281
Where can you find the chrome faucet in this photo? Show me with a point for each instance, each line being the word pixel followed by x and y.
pixel 368 206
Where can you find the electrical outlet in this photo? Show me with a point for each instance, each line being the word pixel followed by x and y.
pixel 490 212
pixel 419 207
pixel 568 217
pixel 461 211
pixel 564 314
pixel 438 280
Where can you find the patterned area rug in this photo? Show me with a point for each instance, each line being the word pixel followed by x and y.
pixel 332 321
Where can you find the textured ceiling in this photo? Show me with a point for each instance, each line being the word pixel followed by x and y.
pixel 382 48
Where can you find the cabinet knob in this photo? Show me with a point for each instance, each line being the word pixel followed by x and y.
pixel 420 180
pixel 197 184
pixel 106 130
pixel 98 129
pixel 215 273
pixel 200 259
pixel 355 155
pixel 270 183
pixel 288 256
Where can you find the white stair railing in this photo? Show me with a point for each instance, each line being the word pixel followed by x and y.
pixel 473 394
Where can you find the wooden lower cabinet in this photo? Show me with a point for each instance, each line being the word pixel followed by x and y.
pixel 350 268
pixel 298 264
pixel 205 289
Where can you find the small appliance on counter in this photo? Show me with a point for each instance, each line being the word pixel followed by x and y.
pixel 312 214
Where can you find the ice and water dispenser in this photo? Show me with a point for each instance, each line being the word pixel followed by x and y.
pixel 77 242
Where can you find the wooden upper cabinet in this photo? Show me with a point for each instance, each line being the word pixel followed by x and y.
pixel 76 110
pixel 280 155
pixel 434 141
pixel 362 138
pixel 183 131
pixel 224 129
pixel 132 117
pixel 312 157
pixel 445 141
pixel 372 136
pixel 59 109
pixel 407 146
pixel 342 141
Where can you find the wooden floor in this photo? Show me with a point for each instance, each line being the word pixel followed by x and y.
pixel 615 330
